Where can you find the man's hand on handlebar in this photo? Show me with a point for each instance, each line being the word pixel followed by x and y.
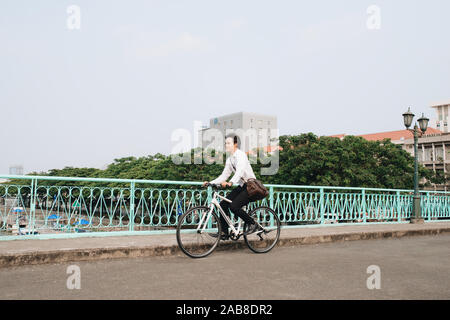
pixel 223 184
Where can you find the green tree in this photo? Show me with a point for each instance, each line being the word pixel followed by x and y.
pixel 305 159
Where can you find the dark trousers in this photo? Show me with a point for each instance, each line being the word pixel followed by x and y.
pixel 240 198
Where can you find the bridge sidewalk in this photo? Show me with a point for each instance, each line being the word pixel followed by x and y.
pixel 26 252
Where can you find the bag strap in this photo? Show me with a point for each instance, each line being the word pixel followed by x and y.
pixel 232 164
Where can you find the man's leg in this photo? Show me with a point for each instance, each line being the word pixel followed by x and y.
pixel 242 199
pixel 226 205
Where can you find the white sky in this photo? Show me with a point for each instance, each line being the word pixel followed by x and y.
pixel 138 70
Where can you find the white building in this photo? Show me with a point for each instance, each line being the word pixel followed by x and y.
pixel 16 170
pixel 255 130
pixel 433 147
pixel 442 116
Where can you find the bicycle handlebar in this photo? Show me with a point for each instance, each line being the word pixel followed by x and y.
pixel 213 185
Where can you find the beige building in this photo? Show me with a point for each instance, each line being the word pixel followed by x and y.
pixel 433 147
pixel 442 116
pixel 433 152
pixel 254 126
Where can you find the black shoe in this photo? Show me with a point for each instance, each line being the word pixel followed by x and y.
pixel 252 229
pixel 223 236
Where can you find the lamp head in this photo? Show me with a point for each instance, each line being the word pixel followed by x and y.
pixel 423 123
pixel 408 117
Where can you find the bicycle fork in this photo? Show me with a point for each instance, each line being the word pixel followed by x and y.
pixel 201 229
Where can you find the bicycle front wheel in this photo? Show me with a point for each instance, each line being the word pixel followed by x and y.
pixel 198 232
pixel 263 241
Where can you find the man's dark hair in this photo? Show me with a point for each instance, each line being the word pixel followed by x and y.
pixel 235 137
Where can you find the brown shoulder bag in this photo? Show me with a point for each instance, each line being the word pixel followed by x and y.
pixel 256 190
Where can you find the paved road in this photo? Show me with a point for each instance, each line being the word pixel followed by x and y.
pixel 411 268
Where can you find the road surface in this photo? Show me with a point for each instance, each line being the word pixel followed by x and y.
pixel 409 268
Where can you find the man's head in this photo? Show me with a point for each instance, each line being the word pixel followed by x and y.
pixel 232 142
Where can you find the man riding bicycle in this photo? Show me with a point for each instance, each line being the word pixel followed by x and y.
pixel 239 164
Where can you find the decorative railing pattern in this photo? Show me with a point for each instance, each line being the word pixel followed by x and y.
pixel 42 204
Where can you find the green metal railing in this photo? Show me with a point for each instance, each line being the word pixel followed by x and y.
pixel 69 205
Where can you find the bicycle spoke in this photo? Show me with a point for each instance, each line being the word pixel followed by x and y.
pixel 264 240
pixel 194 232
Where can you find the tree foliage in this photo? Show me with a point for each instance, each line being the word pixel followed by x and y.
pixel 305 159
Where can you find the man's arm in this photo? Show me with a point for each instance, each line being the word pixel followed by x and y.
pixel 225 173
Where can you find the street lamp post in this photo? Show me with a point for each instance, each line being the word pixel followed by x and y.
pixel 423 123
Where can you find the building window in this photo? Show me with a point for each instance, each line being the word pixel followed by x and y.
pixel 420 154
pixel 439 154
pixel 428 154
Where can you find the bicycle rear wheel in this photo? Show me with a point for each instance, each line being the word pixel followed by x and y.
pixel 198 232
pixel 263 241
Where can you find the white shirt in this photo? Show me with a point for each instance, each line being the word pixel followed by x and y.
pixel 239 164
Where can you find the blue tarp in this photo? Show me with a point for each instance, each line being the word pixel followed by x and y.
pixel 82 222
pixel 179 208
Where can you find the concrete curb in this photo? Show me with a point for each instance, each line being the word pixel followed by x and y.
pixel 92 254
pixel 360 236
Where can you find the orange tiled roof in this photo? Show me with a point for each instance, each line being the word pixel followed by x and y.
pixel 393 135
pixel 396 135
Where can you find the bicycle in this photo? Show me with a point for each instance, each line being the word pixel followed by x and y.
pixel 202 223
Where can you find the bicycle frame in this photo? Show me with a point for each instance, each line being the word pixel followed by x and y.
pixel 215 203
